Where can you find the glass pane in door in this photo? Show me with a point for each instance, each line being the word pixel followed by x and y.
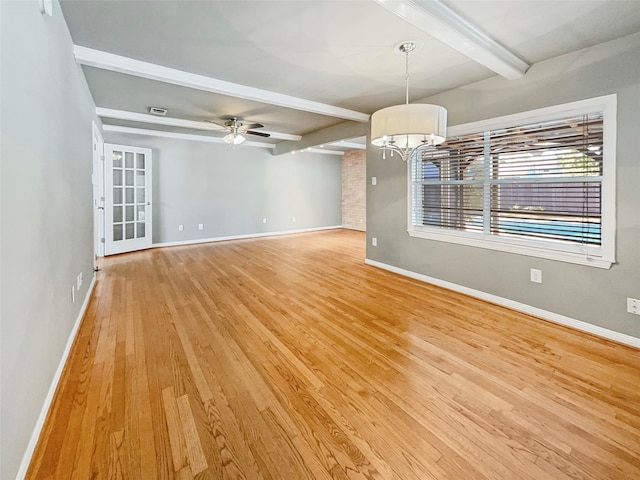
pixel 117 196
pixel 117 176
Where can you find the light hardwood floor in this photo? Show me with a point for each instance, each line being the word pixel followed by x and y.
pixel 289 358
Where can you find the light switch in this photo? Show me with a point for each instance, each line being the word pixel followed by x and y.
pixel 46 6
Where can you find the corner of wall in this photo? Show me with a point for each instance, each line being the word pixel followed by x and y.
pixel 354 195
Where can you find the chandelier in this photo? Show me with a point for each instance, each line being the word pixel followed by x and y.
pixel 409 128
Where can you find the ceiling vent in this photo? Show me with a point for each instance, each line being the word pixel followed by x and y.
pixel 158 111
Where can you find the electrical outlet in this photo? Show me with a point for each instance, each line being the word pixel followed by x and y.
pixel 79 279
pixel 201 226
pixel 374 241
pixel 374 181
pixel 293 219
pixel 633 306
pixel 536 275
pixel 264 220
pixel 73 294
pixel 180 228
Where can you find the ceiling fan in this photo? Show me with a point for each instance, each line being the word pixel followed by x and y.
pixel 237 130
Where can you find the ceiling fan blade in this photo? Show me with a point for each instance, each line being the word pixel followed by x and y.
pixel 222 127
pixel 251 126
pixel 259 134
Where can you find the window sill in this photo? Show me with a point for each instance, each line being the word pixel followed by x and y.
pixel 593 259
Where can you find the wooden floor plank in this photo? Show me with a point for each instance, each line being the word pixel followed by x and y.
pixel 289 358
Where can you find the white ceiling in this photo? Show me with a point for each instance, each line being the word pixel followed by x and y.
pixel 336 52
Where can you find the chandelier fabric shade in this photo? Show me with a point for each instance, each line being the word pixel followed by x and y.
pixel 409 126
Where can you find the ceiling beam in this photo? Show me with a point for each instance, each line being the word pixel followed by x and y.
pixel 326 136
pixel 130 66
pixel 180 136
pixel 346 144
pixel 206 138
pixel 320 150
pixel 147 118
pixel 178 122
pixel 439 21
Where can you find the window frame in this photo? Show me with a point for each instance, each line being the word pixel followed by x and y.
pixel 602 256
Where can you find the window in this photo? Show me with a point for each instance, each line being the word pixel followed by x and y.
pixel 539 183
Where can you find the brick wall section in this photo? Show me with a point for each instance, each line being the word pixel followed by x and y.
pixel 354 187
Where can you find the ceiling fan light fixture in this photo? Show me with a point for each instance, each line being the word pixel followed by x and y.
pixel 405 129
pixel 234 138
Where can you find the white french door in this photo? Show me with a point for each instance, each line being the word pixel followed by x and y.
pixel 128 198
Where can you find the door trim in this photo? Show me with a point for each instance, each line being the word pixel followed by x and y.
pixel 97 179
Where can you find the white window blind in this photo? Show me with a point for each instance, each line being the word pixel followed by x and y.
pixel 537 183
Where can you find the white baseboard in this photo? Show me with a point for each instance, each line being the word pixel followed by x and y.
pixel 521 307
pixel 37 429
pixel 240 237
pixel 359 229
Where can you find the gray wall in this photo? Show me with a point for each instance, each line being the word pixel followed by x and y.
pixel 230 190
pixel 46 197
pixel 589 294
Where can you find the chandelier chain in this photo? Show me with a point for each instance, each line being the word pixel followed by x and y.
pixel 406 71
